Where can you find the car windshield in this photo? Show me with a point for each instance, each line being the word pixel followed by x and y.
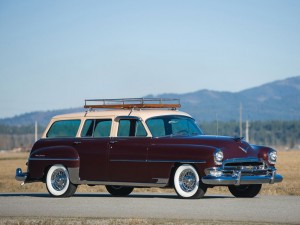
pixel 173 125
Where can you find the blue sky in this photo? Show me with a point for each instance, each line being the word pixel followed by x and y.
pixel 55 54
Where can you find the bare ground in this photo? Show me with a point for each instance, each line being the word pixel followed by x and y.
pixel 120 221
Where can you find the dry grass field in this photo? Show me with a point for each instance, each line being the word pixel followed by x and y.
pixel 288 165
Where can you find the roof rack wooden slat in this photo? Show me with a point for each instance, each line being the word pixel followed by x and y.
pixel 130 103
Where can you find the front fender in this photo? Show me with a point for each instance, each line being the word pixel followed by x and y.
pixel 163 157
pixel 263 152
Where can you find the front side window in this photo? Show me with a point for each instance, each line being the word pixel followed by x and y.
pixel 172 125
pixel 63 128
pixel 96 128
pixel 131 128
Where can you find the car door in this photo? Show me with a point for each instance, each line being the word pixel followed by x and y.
pixel 92 148
pixel 128 152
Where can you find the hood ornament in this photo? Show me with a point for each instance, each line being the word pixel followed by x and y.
pixel 244 150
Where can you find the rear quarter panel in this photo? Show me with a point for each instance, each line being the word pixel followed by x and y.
pixel 41 158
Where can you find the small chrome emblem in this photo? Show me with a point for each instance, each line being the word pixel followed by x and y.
pixel 244 150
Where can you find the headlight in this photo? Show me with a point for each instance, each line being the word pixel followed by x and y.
pixel 272 157
pixel 218 155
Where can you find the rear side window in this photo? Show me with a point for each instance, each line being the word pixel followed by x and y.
pixel 63 128
pixel 96 128
pixel 131 128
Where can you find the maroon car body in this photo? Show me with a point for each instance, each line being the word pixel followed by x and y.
pixel 140 147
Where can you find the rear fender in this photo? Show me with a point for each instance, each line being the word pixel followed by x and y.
pixel 42 159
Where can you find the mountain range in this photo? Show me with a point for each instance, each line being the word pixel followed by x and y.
pixel 278 100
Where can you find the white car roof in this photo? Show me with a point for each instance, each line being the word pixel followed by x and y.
pixel 144 114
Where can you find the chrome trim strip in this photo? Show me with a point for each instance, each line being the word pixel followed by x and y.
pixel 159 161
pixel 244 150
pixel 176 161
pixel 127 160
pixel 131 184
pixel 57 159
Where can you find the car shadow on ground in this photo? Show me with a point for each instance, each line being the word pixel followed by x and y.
pixel 106 195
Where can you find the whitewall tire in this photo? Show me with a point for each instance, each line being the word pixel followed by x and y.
pixel 187 183
pixel 58 182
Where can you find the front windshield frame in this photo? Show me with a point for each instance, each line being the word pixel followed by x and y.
pixel 173 125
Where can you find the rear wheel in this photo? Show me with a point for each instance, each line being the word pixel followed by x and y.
pixel 245 191
pixel 187 183
pixel 58 182
pixel 119 190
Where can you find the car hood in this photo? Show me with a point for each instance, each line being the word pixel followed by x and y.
pixel 232 147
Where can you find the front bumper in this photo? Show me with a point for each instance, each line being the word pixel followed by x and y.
pixel 20 176
pixel 238 178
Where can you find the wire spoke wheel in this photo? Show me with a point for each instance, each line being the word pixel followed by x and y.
pixel 187 182
pixel 59 179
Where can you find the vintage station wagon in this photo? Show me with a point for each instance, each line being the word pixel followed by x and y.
pixel 132 143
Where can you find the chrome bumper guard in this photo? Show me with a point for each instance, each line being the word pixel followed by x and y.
pixel 20 176
pixel 237 178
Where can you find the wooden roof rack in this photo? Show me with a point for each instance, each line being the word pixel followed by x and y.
pixel 130 103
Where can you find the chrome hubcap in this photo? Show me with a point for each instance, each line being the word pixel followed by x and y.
pixel 59 180
pixel 187 180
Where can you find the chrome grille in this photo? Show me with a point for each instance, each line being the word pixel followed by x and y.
pixel 247 166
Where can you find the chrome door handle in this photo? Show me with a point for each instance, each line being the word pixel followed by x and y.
pixel 77 142
pixel 113 142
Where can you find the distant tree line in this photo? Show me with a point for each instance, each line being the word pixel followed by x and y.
pixel 16 130
pixel 270 133
pixel 22 137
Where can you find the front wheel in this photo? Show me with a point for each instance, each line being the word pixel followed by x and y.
pixel 245 191
pixel 187 183
pixel 58 182
pixel 119 190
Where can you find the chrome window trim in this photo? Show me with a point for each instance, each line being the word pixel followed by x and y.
pixel 118 118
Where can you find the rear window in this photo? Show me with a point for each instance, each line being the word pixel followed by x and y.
pixel 63 128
